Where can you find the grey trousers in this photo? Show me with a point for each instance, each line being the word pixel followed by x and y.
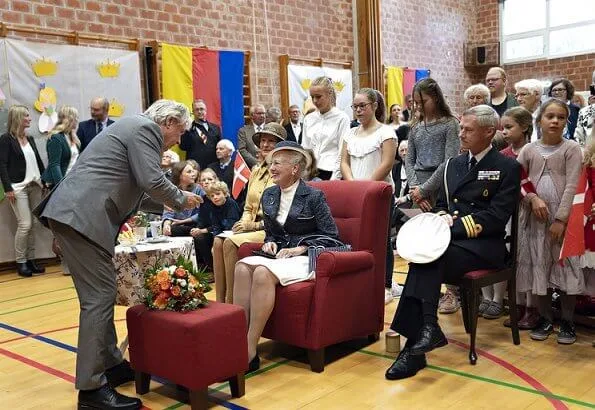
pixel 94 278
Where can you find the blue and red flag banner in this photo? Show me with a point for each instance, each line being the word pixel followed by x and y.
pixel 217 77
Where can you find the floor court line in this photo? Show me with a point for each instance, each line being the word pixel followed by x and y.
pixel 35 294
pixel 39 366
pixel 547 394
pixel 512 368
pixel 36 306
pixel 73 349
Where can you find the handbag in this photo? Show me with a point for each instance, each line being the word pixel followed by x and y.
pixel 331 245
pixel 315 251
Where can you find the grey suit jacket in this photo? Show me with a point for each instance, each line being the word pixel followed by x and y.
pixel 109 180
pixel 246 146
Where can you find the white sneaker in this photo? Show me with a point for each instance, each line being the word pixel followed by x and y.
pixel 388 296
pixel 396 290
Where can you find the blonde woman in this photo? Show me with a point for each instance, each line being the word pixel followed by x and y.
pixel 20 172
pixel 323 129
pixel 62 146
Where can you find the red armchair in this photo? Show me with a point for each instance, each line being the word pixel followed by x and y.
pixel 346 301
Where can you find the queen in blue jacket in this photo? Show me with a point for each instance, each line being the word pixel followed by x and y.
pixel 295 216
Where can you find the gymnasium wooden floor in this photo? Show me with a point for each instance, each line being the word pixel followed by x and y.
pixel 38 333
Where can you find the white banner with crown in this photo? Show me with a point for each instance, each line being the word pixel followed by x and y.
pixel 300 77
pixel 47 76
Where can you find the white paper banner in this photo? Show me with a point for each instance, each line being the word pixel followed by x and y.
pixel 76 81
pixel 300 77
pixel 73 75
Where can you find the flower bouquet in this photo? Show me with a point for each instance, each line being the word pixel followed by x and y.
pixel 139 223
pixel 176 287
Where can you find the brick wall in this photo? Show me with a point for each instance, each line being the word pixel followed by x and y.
pixel 301 28
pixel 577 69
pixel 430 34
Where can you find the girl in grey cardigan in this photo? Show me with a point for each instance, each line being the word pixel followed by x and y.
pixel 553 164
pixel 433 138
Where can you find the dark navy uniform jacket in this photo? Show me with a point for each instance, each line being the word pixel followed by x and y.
pixel 481 199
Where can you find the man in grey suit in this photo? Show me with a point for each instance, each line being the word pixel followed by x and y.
pixel 246 146
pixel 85 212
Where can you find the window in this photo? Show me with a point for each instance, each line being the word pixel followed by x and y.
pixel 535 29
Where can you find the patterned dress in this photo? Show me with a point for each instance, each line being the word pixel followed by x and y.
pixel 538 267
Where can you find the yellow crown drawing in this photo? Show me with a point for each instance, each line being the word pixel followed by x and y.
pixel 46 101
pixel 338 86
pixel 305 83
pixel 115 108
pixel 108 69
pixel 45 67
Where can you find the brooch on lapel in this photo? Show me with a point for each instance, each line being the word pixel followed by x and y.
pixel 488 175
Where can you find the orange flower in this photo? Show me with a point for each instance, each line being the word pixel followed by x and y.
pixel 162 275
pixel 176 291
pixel 180 272
pixel 161 300
pixel 192 280
pixel 165 284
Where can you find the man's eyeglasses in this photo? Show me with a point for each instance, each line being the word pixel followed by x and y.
pixel 356 107
pixel 558 90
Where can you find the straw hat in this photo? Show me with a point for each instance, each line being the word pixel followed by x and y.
pixel 272 128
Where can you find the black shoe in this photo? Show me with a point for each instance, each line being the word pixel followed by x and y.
pixel 254 365
pixel 119 374
pixel 567 334
pixel 406 365
pixel 543 329
pixel 106 398
pixel 34 267
pixel 23 270
pixel 430 337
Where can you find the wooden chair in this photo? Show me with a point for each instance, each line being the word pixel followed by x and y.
pixel 470 287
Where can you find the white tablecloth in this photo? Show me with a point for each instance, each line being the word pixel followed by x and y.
pixel 131 262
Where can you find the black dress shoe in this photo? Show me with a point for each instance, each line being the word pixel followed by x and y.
pixel 430 337
pixel 119 374
pixel 23 270
pixel 254 365
pixel 106 398
pixel 406 365
pixel 34 267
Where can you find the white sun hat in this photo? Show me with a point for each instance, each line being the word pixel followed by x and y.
pixel 424 238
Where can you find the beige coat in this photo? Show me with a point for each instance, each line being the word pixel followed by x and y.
pixel 259 181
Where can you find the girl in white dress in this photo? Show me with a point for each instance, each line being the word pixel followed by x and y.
pixel 368 153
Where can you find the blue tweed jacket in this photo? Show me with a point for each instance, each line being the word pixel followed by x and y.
pixel 309 221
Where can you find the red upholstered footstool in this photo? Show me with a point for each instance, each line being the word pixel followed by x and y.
pixel 192 349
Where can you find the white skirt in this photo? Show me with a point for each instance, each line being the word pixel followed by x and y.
pixel 287 270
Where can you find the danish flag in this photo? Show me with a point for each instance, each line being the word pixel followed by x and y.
pixel 241 174
pixel 574 238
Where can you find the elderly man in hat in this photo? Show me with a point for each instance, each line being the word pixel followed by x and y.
pixel 476 200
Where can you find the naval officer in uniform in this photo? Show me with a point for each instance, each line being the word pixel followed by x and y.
pixel 477 198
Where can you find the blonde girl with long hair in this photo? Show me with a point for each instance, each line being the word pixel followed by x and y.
pixel 62 145
pixel 324 128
